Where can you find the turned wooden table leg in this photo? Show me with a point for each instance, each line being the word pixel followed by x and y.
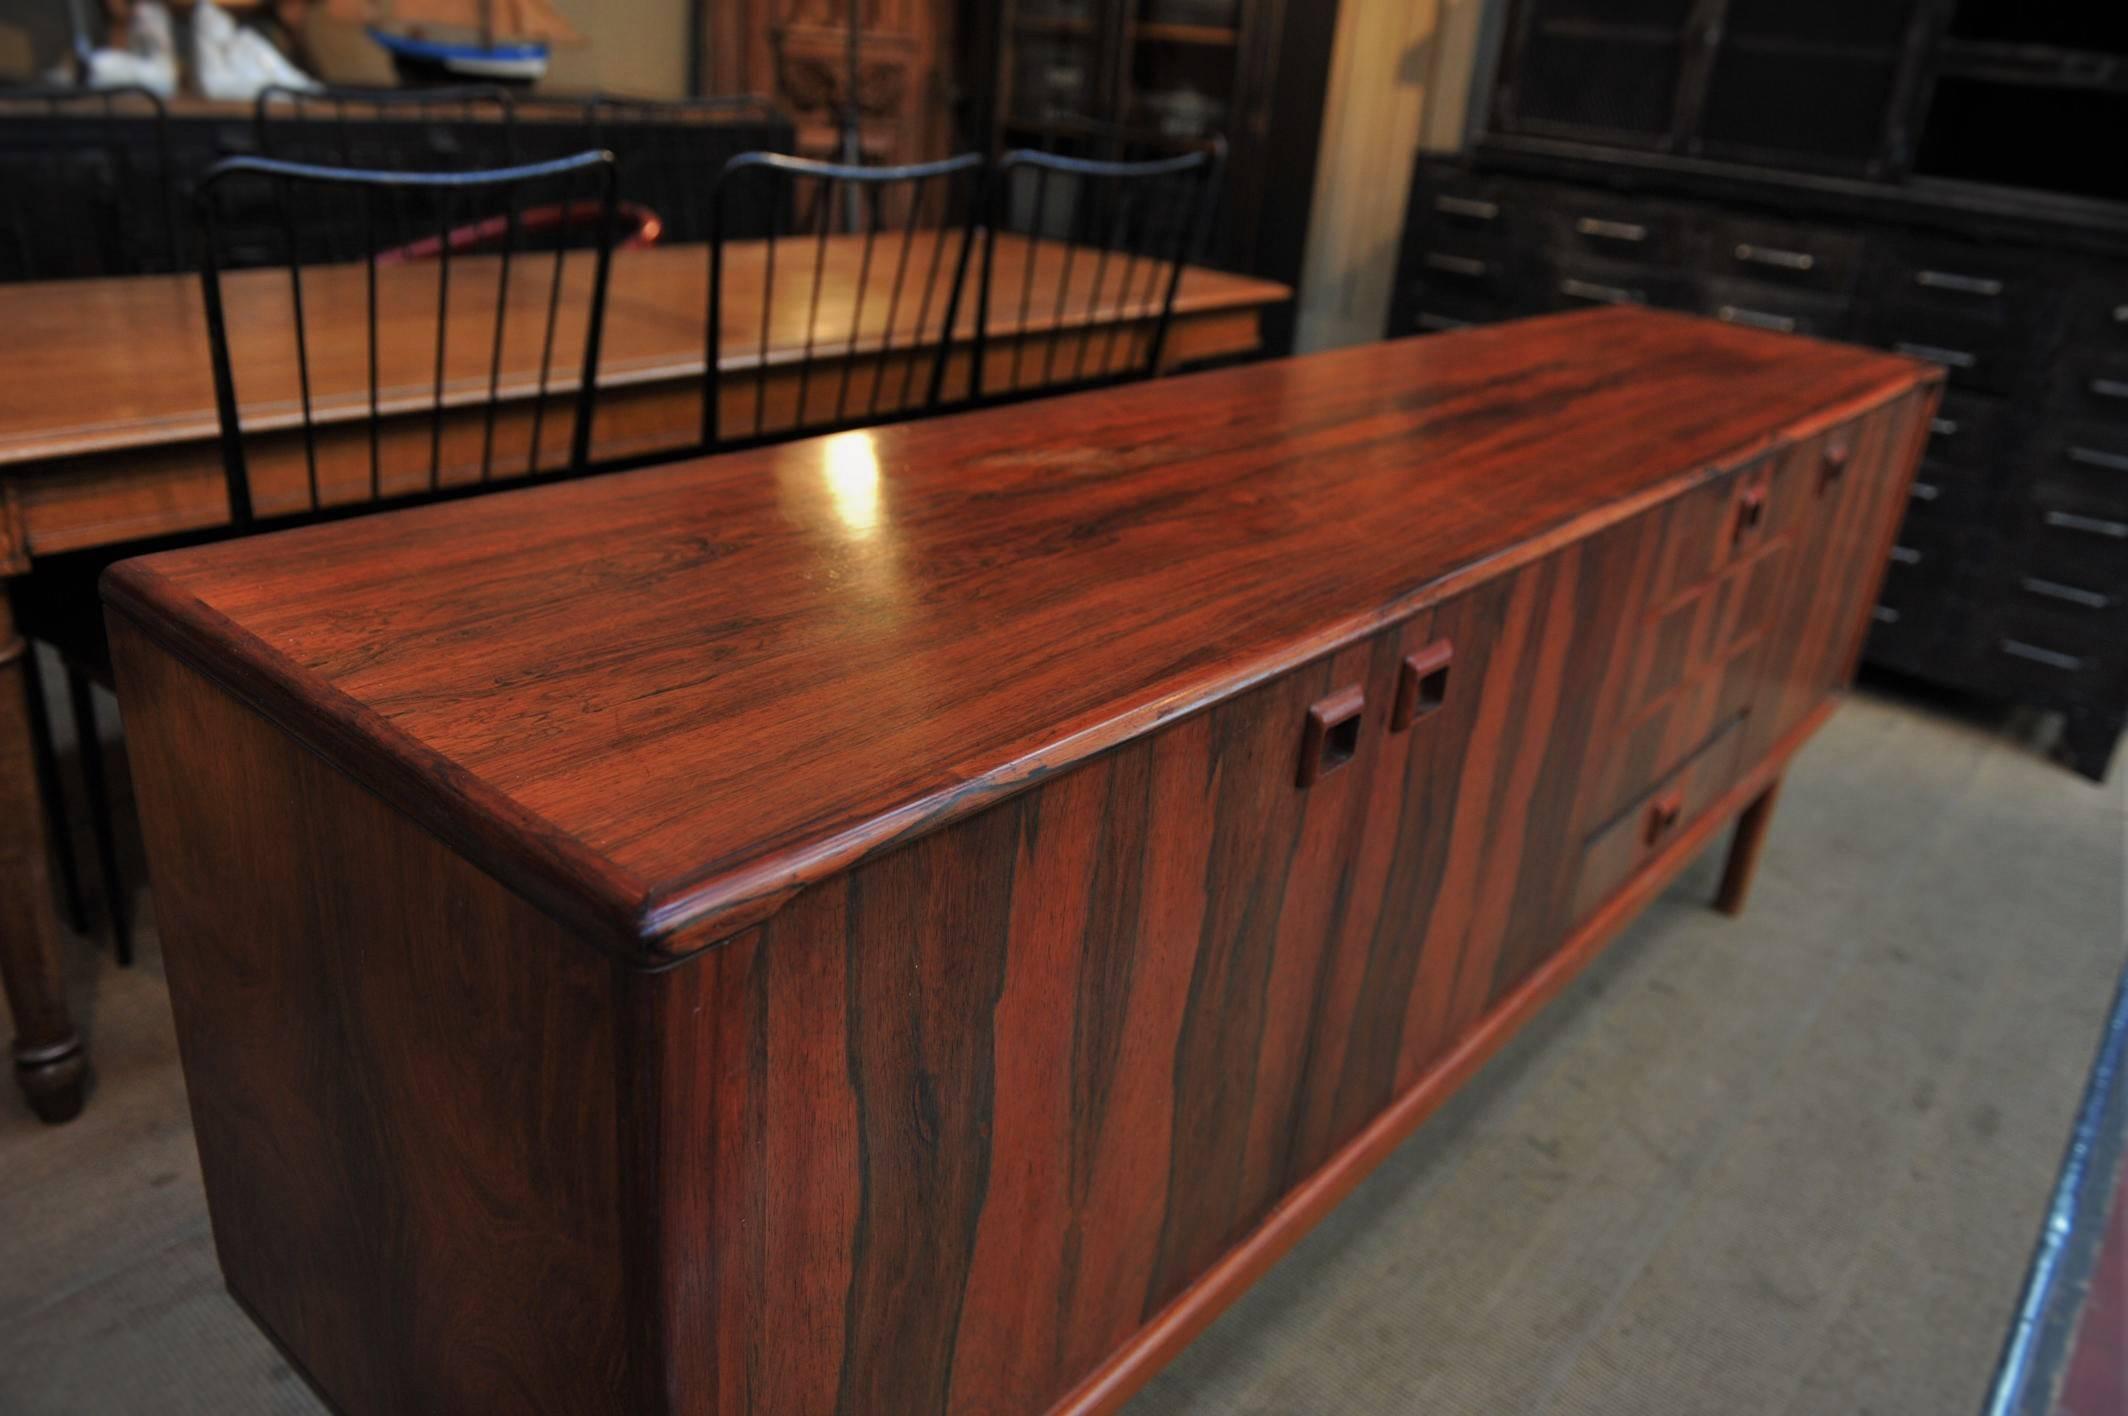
pixel 1744 848
pixel 50 1065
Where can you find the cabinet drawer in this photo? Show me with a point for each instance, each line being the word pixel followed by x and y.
pixel 2092 384
pixel 1814 258
pixel 1617 849
pixel 1946 493
pixel 1619 228
pixel 1770 307
pixel 2078 548
pixel 1436 308
pixel 2098 309
pixel 1971 282
pixel 1577 283
pixel 1977 354
pixel 2023 660
pixel 1967 430
pixel 2084 467
pixel 1731 517
pixel 1466 212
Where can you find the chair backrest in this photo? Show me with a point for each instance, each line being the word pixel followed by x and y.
pixel 414 370
pixel 86 187
pixel 1081 262
pixel 844 313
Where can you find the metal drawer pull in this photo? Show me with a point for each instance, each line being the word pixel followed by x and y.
pixel 1774 256
pixel 1985 286
pixel 1603 294
pixel 2052 658
pixel 1936 354
pixel 1466 206
pixel 2120 314
pixel 2097 526
pixel 1884 614
pixel 1944 427
pixel 2096 457
pixel 2110 388
pixel 1905 555
pixel 1440 323
pixel 2067 594
pixel 1611 230
pixel 1757 319
pixel 1925 491
pixel 1455 265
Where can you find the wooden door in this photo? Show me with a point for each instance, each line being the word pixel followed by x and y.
pixel 1039 1071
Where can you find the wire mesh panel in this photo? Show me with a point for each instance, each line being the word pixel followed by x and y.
pixel 420 367
pixel 843 313
pixel 1081 266
pixel 86 187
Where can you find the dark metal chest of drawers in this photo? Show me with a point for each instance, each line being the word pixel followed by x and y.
pixel 2010 572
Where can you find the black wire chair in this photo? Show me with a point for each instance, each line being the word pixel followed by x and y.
pixel 459 129
pixel 326 448
pixel 316 442
pixel 900 240
pixel 86 185
pixel 1106 243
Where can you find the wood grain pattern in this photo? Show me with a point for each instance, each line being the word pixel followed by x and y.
pixel 434 1126
pixel 1075 571
pixel 993 1113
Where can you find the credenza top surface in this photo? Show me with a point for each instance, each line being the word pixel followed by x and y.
pixel 659 702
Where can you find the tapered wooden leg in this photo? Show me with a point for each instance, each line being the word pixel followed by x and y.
pixel 1744 848
pixel 50 1065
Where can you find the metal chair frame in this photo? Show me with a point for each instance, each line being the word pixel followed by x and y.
pixel 442 185
pixel 959 177
pixel 1191 180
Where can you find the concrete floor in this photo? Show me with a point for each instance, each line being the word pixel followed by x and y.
pixel 1793 1162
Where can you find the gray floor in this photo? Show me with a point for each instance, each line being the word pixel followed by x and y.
pixel 1788 1163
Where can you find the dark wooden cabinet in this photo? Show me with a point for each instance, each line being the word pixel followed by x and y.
pixel 94 197
pixel 1847 172
pixel 918 920
pixel 1127 78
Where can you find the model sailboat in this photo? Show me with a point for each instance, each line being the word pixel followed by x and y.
pixel 484 41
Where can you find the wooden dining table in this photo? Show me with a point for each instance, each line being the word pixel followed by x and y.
pixel 109 435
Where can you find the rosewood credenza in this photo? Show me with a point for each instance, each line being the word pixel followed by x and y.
pixel 918 919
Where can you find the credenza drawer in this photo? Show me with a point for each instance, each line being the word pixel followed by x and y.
pixel 1627 841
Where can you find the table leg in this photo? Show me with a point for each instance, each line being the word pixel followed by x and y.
pixel 50 1065
pixel 1744 847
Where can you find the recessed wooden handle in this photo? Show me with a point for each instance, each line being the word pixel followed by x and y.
pixel 1332 735
pixel 1833 465
pixel 1422 684
pixel 1663 815
pixel 1750 510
